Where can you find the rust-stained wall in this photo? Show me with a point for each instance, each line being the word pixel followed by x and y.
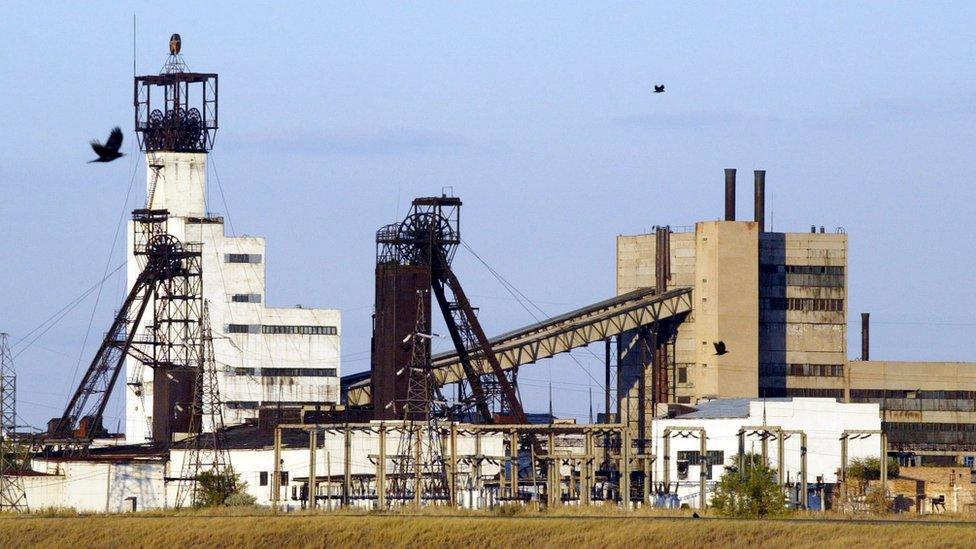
pixel 398 290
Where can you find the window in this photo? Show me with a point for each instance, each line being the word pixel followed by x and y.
pixel 682 470
pixel 299 330
pixel 246 298
pixel 693 457
pixel 243 329
pixel 816 370
pixel 815 393
pixel 263 478
pixel 801 304
pixel 284 478
pixel 682 375
pixel 242 258
pixel 286 372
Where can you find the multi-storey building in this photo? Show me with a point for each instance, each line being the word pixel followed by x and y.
pixel 776 302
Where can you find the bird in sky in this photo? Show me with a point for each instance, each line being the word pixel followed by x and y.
pixel 110 150
pixel 659 88
pixel 720 348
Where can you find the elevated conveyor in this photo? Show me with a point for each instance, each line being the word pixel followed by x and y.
pixel 555 335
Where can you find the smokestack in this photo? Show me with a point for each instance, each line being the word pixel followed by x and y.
pixel 865 335
pixel 730 194
pixel 760 217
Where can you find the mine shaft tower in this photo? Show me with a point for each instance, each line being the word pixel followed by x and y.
pixel 175 112
pixel 412 257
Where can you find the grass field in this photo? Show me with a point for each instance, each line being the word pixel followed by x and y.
pixel 585 530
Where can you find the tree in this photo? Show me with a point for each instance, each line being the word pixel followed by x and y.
pixel 214 489
pixel 750 493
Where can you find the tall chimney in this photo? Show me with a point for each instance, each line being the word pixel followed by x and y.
pixel 760 177
pixel 865 335
pixel 730 194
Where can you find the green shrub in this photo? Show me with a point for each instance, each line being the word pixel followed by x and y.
pixel 750 493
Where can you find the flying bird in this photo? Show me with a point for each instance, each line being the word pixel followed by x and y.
pixel 720 348
pixel 110 150
pixel 659 88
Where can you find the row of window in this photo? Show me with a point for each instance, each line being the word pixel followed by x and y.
pixel 801 269
pixel 263 478
pixel 902 393
pixel 774 369
pixel 814 393
pixel 931 427
pixel 693 457
pixel 286 372
pixel 816 370
pixel 280 330
pixel 242 258
pixel 801 304
pixel 246 298
pixel 254 404
pixel 769 280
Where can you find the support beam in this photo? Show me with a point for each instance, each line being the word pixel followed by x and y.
pixel 381 470
pixel 276 479
pixel 312 480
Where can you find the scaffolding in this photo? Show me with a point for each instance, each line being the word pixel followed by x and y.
pixel 13 456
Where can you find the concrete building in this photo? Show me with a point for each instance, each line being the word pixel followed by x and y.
pixel 823 420
pixel 266 356
pixel 778 303
pixel 115 479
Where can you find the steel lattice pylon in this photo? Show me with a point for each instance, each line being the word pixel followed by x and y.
pixel 12 458
pixel 419 463
pixel 206 451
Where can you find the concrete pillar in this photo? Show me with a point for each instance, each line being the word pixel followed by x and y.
pixel 586 489
pixel 703 464
pixel 347 467
pixel 883 464
pixel 803 470
pixel 312 484
pixel 843 468
pixel 381 470
pixel 276 479
pixel 625 468
pixel 452 467
pixel 514 470
pixel 781 452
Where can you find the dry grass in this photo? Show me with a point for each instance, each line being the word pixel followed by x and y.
pixel 434 529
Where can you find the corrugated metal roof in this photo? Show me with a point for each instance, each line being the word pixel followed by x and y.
pixel 725 408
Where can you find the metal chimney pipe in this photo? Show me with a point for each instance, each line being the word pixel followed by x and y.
pixel 760 217
pixel 865 336
pixel 730 194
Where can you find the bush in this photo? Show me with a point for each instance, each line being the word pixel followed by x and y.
pixel 214 489
pixel 865 469
pixel 750 493
pixel 240 499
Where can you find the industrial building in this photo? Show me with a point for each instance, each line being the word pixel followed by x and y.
pixel 267 356
pixel 723 339
pixel 777 303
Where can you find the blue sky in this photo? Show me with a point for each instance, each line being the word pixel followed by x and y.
pixel 540 117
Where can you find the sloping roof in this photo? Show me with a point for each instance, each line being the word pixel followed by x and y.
pixel 725 408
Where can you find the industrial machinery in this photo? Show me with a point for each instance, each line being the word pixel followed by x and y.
pixel 172 281
pixel 412 257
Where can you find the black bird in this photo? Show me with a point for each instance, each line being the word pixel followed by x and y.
pixel 695 515
pixel 720 348
pixel 110 150
pixel 659 88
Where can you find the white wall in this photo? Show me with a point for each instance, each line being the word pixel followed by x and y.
pixel 823 420
pixel 181 188
pixel 97 486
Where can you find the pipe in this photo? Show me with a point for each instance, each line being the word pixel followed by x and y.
pixel 760 198
pixel 730 194
pixel 865 336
